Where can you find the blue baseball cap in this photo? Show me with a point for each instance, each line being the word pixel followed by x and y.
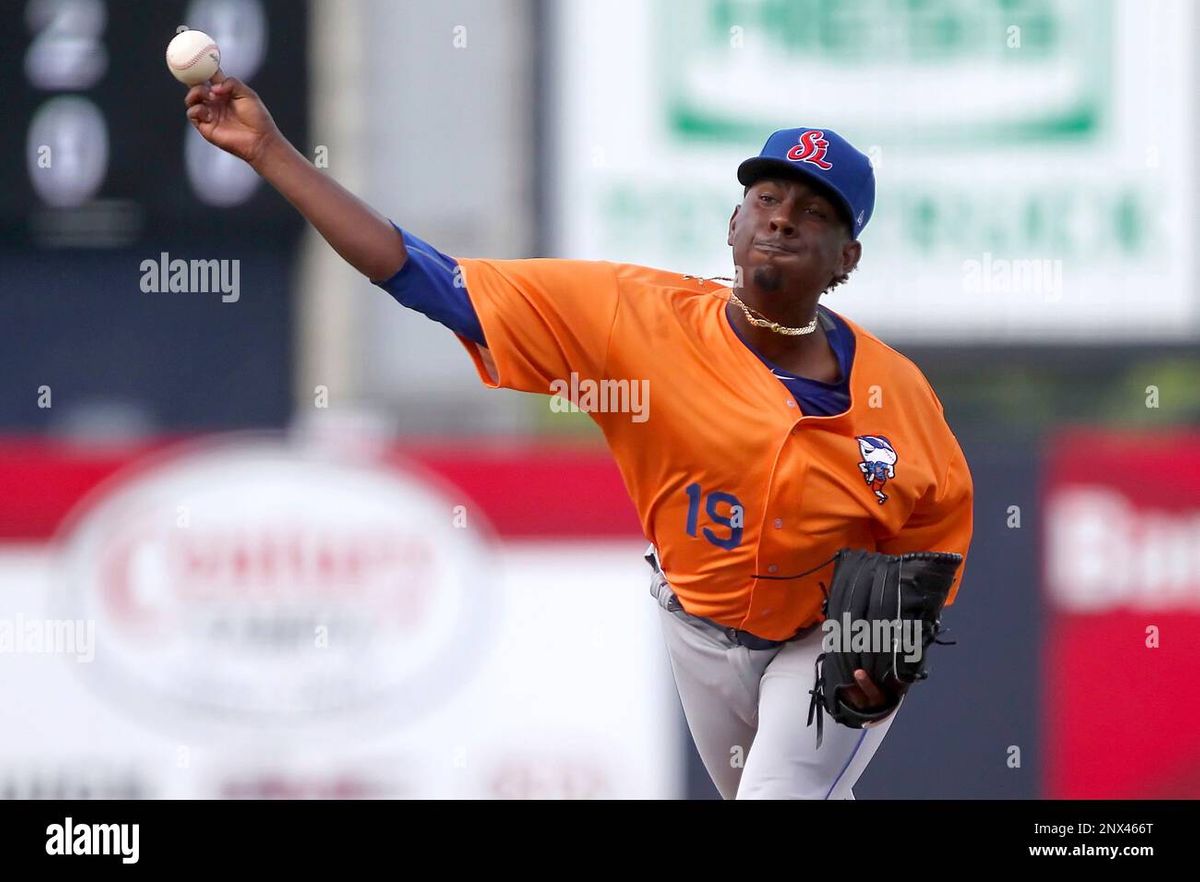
pixel 821 155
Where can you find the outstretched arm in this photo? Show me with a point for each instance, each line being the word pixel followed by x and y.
pixel 229 114
pixel 544 319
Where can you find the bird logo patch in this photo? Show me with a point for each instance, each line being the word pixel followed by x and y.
pixel 812 147
pixel 878 463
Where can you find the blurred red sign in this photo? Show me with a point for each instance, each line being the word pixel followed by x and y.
pixel 525 489
pixel 1121 706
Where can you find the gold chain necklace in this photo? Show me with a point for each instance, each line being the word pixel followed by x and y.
pixel 759 320
pixel 755 317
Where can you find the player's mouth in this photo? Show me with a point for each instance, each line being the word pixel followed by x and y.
pixel 772 247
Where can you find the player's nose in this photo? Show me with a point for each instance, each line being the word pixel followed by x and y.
pixel 782 224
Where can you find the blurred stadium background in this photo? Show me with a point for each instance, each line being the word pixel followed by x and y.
pixel 319 559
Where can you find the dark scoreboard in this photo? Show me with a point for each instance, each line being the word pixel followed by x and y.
pixel 97 151
pixel 100 172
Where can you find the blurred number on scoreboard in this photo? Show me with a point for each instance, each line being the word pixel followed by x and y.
pixel 68 137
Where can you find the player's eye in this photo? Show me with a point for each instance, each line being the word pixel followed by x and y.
pixel 766 197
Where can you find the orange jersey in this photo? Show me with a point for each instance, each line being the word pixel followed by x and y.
pixel 745 499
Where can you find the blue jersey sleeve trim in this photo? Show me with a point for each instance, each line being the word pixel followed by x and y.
pixel 429 282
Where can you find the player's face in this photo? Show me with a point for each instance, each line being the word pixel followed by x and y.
pixel 786 235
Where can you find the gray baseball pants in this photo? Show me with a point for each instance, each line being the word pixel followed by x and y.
pixel 747 710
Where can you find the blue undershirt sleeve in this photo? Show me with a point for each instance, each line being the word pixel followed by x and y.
pixel 430 283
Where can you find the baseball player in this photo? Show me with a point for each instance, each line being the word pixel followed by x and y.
pixel 778 433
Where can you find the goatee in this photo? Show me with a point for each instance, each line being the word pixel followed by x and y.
pixel 767 279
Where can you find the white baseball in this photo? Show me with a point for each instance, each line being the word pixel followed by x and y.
pixel 193 57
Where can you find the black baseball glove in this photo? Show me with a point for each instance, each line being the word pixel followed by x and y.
pixel 882 611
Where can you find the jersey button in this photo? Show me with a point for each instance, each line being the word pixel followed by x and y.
pixel 778 523
pixel 791 403
pixel 772 569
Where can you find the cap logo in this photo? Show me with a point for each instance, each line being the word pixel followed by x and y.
pixel 812 147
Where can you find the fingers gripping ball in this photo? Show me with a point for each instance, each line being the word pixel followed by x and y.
pixel 890 600
pixel 193 57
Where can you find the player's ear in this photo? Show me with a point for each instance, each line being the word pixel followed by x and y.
pixel 731 220
pixel 851 253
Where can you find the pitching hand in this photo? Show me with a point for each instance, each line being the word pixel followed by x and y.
pixel 230 114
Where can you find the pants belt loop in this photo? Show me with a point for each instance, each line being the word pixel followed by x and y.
pixel 651 557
